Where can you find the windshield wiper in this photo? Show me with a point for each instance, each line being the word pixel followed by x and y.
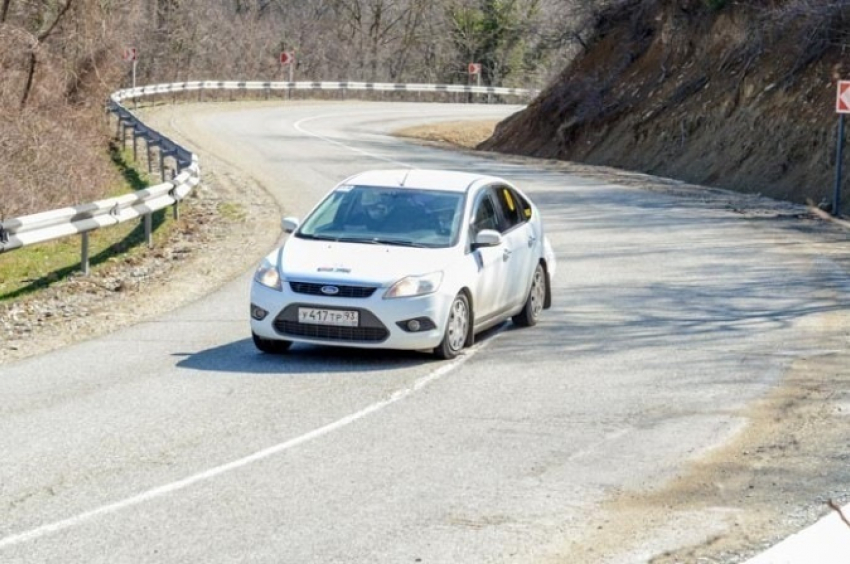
pixel 380 241
pixel 399 242
pixel 316 237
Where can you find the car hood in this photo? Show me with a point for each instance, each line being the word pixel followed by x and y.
pixel 382 265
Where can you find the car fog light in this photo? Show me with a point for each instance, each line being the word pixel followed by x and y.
pixel 258 313
pixel 417 325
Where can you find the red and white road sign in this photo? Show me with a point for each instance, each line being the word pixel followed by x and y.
pixel 842 103
pixel 287 58
pixel 130 54
pixel 474 68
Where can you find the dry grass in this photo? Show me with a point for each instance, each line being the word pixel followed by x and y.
pixel 52 158
pixel 465 134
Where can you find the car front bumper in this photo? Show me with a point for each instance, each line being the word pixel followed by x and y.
pixel 378 319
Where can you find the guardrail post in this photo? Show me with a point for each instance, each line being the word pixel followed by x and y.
pixel 84 254
pixel 839 158
pixel 149 230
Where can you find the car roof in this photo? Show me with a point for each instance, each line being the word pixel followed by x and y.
pixel 449 180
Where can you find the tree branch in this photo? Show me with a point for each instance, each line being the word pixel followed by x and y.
pixel 46 32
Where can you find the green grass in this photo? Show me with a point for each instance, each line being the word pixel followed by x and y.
pixel 30 269
pixel 232 211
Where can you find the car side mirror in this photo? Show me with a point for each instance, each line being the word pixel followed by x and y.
pixel 289 224
pixel 487 238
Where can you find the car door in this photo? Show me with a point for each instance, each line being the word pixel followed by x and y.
pixel 490 288
pixel 519 239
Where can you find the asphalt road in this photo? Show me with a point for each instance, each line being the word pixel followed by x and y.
pixel 175 441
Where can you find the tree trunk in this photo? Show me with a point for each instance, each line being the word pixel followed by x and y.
pixel 30 77
pixel 4 12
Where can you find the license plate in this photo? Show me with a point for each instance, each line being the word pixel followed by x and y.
pixel 336 317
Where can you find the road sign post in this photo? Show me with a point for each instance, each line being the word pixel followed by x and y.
pixel 288 59
pixel 842 107
pixel 131 54
pixel 474 69
pixel 839 156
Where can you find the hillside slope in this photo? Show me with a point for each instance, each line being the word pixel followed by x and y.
pixel 740 97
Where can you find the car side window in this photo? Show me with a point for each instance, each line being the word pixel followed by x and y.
pixel 485 215
pixel 515 209
pixel 524 207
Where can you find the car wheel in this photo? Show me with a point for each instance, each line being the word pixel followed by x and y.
pixel 535 301
pixel 270 346
pixel 457 329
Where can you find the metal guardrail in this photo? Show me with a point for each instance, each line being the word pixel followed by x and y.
pixel 200 86
pixel 80 220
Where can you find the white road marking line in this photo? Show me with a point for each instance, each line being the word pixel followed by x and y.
pixel 166 489
pixel 298 127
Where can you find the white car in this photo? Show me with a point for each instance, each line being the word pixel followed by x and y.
pixel 405 259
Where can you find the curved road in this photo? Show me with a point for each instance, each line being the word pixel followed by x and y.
pixel 175 441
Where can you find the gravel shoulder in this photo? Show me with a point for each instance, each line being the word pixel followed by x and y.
pixel 779 474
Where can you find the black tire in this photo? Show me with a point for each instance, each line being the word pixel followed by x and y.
pixel 457 329
pixel 536 300
pixel 270 346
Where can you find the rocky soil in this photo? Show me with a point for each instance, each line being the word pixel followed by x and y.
pixel 742 98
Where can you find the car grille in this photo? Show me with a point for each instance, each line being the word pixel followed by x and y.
pixel 371 330
pixel 344 291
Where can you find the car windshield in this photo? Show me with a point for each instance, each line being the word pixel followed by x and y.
pixel 393 216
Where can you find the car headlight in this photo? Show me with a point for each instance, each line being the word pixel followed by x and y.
pixel 268 275
pixel 415 286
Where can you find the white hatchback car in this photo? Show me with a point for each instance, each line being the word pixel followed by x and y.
pixel 405 259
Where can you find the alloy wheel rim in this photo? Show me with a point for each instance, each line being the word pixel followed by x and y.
pixel 538 292
pixel 458 322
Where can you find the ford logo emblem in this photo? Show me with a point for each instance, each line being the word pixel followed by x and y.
pixel 330 290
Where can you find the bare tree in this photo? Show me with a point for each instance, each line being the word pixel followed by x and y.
pixel 51 16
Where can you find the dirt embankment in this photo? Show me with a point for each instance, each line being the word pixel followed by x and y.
pixel 741 98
